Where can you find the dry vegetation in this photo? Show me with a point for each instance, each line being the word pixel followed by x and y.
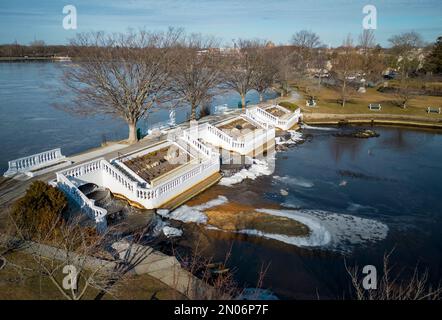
pixel 239 124
pixel 276 112
pixel 20 281
pixel 154 164
pixel 328 102
pixel 392 286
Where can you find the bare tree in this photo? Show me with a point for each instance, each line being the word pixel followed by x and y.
pixel 305 42
pixel 405 91
pixel 241 68
pixel 406 59
pixel 389 287
pixel 75 258
pixel 306 39
pixel 346 63
pixel 405 50
pixel 266 71
pixel 285 61
pixel 121 75
pixel 373 62
pixel 197 74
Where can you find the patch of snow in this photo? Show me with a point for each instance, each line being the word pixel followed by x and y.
pixel 317 240
pixel 295 137
pixel 258 168
pixel 192 214
pixel 171 232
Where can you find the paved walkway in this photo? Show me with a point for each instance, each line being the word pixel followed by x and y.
pixel 133 259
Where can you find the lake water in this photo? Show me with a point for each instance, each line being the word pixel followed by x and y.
pixel 369 195
pixel 30 124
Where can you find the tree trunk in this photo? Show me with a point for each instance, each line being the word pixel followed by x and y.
pixel 132 133
pixel 344 86
pixel 243 101
pixel 193 112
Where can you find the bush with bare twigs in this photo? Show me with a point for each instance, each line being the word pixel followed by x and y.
pixel 390 287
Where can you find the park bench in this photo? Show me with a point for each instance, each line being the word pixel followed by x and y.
pixel 310 103
pixel 374 106
pixel 433 110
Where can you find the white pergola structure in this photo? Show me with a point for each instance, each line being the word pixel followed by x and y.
pixel 275 115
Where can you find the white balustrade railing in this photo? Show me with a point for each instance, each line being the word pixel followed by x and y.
pixel 263 114
pixel 284 124
pixel 187 137
pixel 244 144
pixel 34 161
pixel 102 172
pixel 219 133
pixel 86 204
pixel 254 120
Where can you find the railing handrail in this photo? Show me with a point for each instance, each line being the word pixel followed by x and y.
pixel 37 154
pixel 89 202
pixel 265 114
pixel 227 138
pixel 134 176
pixel 249 117
pixel 196 144
pixel 156 191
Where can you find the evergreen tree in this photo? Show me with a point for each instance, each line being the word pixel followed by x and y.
pixel 433 62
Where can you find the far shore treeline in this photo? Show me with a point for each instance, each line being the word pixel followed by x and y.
pixel 125 75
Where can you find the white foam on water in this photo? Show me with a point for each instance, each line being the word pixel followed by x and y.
pixel 192 214
pixel 258 168
pixel 334 231
pixel 293 203
pixel 299 182
pixel 306 126
pixel 355 207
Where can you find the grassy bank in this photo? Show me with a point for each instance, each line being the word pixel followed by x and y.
pixel 20 281
pixel 327 103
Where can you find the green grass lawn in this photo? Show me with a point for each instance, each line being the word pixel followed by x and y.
pixel 327 102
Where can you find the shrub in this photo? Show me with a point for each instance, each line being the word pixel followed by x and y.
pixel 289 105
pixel 39 211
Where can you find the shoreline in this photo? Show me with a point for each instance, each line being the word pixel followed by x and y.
pixel 373 119
pixel 35 59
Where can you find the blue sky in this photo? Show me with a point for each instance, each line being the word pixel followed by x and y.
pixel 276 20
